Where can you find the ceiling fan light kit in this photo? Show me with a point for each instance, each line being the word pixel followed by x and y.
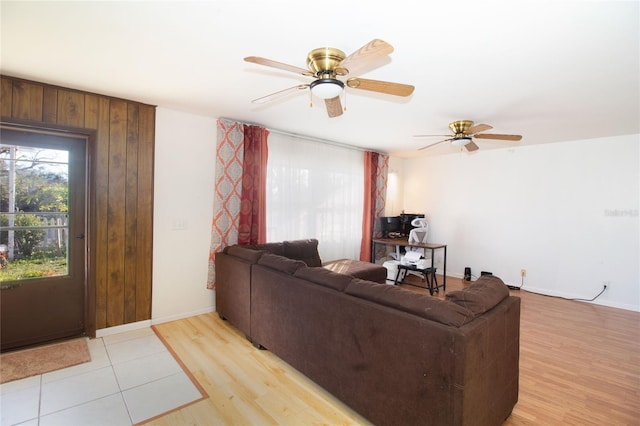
pixel 326 88
pixel 458 142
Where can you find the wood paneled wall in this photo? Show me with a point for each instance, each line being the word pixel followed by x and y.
pixel 120 188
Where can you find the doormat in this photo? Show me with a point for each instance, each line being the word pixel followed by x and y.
pixel 43 359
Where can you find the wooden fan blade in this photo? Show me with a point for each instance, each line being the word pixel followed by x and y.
pixel 471 146
pixel 371 51
pixel 275 64
pixel 477 128
pixel 434 144
pixel 430 136
pixel 334 107
pixel 499 137
pixel 389 88
pixel 279 94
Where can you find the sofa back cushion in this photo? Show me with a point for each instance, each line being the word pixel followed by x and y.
pixel 305 250
pixel 280 263
pixel 480 296
pixel 423 305
pixel 324 277
pixel 274 248
pixel 243 252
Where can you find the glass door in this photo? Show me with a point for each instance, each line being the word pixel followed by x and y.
pixel 42 236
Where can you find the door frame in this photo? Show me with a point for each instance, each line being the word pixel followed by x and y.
pixel 89 137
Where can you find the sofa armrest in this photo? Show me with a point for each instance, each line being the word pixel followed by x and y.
pixel 481 296
pixel 233 290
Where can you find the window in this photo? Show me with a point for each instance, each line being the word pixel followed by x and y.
pixel 315 190
pixel 34 226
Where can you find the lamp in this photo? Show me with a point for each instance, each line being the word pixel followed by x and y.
pixel 461 141
pixel 326 88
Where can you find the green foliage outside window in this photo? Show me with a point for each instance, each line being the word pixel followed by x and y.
pixel 38 191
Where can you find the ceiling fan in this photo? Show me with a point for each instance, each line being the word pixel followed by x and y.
pixel 464 131
pixel 326 64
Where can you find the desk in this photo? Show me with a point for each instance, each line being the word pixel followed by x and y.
pixel 404 242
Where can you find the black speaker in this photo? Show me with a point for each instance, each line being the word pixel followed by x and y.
pixel 467 274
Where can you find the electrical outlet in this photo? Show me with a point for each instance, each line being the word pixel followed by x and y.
pixel 523 273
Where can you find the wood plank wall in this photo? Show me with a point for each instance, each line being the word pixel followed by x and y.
pixel 121 190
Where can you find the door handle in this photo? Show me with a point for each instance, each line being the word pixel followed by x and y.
pixel 80 237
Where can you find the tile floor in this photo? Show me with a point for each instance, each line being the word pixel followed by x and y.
pixel 131 377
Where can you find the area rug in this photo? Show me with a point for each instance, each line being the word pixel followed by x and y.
pixel 43 359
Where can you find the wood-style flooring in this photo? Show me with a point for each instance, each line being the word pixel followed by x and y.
pixel 579 365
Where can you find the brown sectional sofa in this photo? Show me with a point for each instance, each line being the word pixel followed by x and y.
pixel 233 274
pixel 395 356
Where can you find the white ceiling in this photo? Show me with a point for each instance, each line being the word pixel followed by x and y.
pixel 548 70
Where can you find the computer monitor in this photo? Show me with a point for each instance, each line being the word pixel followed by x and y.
pixel 391 226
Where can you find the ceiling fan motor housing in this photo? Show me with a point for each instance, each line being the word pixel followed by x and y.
pixel 324 61
pixel 460 127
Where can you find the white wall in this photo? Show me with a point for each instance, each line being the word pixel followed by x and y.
pixel 550 209
pixel 395 192
pixel 183 207
pixel 565 212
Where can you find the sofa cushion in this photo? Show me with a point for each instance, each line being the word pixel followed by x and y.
pixel 280 263
pixel 275 248
pixel 423 305
pixel 324 277
pixel 242 252
pixel 359 269
pixel 305 250
pixel 480 296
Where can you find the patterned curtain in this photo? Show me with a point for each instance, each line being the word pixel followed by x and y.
pixel 375 188
pixel 230 197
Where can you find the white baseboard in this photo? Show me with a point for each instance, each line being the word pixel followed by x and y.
pixel 546 292
pixel 122 328
pixel 180 316
pixel 148 323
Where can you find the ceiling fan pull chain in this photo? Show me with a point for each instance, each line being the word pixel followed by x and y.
pixel 344 98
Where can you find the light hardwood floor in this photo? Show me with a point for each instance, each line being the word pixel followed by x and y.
pixel 579 365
